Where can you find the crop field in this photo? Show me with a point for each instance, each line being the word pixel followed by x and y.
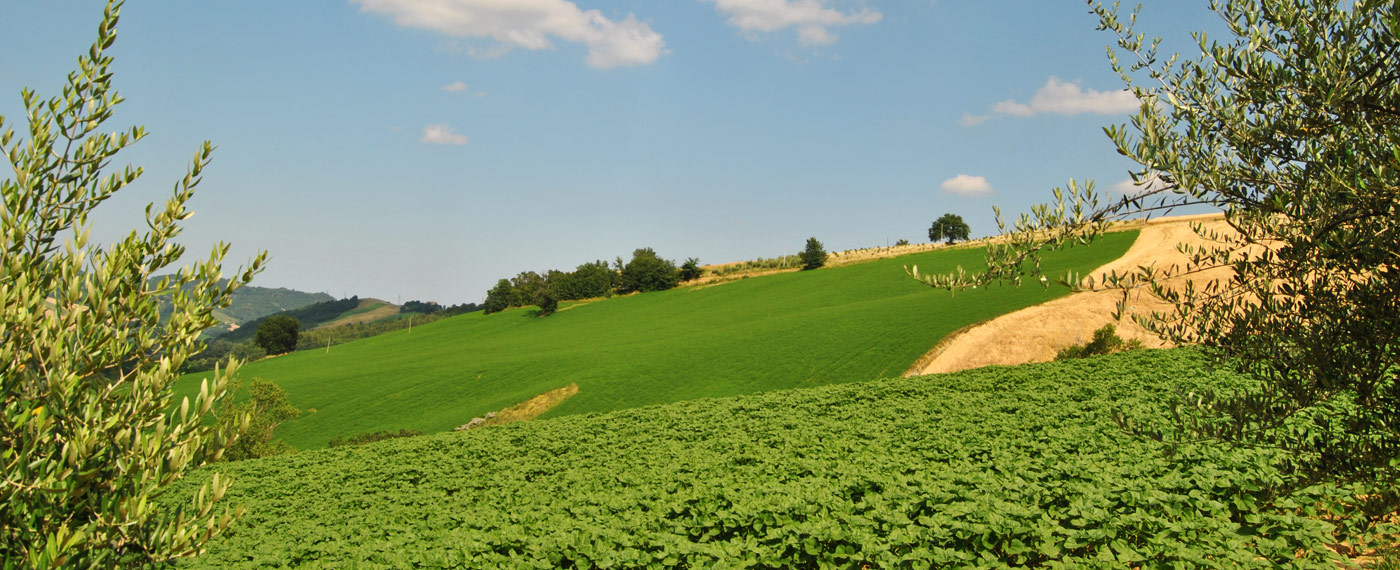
pixel 990 468
pixel 851 323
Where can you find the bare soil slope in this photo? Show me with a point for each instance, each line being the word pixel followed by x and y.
pixel 1034 334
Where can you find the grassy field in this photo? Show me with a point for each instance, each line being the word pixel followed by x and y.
pixel 997 467
pixel 844 324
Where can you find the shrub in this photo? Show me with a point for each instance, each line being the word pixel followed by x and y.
pixel 690 270
pixel 266 408
pixel 1105 341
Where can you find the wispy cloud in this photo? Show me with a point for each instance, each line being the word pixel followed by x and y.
pixel 1062 98
pixel 456 87
pixel 528 24
pixel 441 133
pixel 967 185
pixel 812 18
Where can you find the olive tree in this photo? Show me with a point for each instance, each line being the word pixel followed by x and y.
pixel 89 434
pixel 1290 125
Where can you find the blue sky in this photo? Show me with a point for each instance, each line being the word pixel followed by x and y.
pixel 423 149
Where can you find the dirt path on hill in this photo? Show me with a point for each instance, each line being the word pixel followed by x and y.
pixel 1035 333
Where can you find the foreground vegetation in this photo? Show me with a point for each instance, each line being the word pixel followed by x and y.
pixel 89 432
pixel 842 324
pixel 996 467
pixel 1289 125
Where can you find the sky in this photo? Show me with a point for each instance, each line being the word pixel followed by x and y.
pixel 423 149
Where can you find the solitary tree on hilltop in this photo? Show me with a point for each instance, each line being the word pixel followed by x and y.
pixel 813 256
pixel 949 228
pixel 1290 126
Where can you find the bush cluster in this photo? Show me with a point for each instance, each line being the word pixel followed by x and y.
pixel 1105 341
pixel 647 271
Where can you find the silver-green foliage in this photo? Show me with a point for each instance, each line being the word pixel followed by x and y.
pixel 1291 126
pixel 89 434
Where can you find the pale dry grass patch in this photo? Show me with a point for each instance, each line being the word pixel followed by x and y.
pixel 534 407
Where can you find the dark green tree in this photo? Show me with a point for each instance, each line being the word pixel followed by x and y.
pixel 424 307
pixel 902 242
pixel 949 228
pixel 1290 125
pixel 547 301
pixel 813 256
pixel 648 272
pixel 278 334
pixel 499 298
pixel 589 280
pixel 690 270
pixel 527 286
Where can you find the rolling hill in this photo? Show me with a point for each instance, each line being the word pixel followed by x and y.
pixel 856 322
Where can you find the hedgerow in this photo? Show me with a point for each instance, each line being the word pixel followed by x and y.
pixel 993 468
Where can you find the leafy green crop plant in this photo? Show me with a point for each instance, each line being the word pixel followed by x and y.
pixel 992 468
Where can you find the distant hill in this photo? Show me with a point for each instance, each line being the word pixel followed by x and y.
pixel 251 302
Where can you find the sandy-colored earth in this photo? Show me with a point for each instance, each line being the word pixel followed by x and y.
pixel 1034 334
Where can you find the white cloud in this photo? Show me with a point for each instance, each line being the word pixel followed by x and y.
pixel 1127 187
pixel 442 134
pixel 528 24
pixel 966 185
pixel 812 18
pixel 1062 98
pixel 455 87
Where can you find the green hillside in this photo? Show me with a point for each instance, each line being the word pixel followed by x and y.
pixel 844 324
pixel 310 316
pixel 250 303
pixel 991 468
